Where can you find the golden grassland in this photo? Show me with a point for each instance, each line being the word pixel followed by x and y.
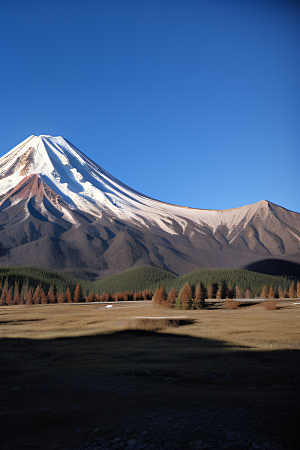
pixel 144 339
pixel 250 325
pixel 69 356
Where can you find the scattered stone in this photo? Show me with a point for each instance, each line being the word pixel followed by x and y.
pixel 131 442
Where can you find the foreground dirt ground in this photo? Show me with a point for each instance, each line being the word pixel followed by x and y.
pixel 81 377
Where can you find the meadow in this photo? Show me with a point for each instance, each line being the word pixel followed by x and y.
pixel 180 376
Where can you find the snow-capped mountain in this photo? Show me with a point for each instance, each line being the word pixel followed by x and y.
pixel 64 210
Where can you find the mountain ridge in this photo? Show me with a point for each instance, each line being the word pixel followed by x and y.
pixel 54 200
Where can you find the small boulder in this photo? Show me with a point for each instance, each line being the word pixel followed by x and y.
pixel 131 443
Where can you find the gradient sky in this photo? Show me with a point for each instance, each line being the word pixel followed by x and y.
pixel 194 103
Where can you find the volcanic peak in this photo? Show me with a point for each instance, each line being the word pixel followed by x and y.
pixel 82 184
pixel 68 211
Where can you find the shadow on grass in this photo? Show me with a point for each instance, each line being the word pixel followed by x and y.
pixel 54 386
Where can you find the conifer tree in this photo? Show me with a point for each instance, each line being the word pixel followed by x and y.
pixel 219 293
pixel 264 292
pixel 16 300
pixel 29 297
pixel 160 296
pixel 171 298
pixel 186 297
pixel 90 297
pixel 68 295
pixel 271 292
pixel 285 294
pixel 59 297
pixel 37 295
pixel 44 299
pixel 238 292
pixel 298 289
pixel 116 296
pixel 4 293
pixel 9 296
pixel 199 299
pixel 51 295
pixel 104 297
pixel 155 297
pixel 23 293
pixel 210 291
pixel 280 292
pixel 78 295
pixel 292 290
pixel 247 293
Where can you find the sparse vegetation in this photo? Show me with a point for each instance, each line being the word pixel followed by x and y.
pixel 155 323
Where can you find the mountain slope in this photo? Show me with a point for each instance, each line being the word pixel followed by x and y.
pixel 59 209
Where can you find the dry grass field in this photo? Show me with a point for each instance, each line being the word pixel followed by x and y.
pixel 183 377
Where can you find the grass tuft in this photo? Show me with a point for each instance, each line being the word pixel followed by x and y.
pixel 155 323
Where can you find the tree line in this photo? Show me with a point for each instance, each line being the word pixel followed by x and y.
pixel 193 297
pixel 28 295
pixel 188 297
pixel 137 279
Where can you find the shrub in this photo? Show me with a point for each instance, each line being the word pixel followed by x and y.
pixel 270 305
pixel 232 304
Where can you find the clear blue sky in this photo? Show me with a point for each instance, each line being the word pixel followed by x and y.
pixel 195 103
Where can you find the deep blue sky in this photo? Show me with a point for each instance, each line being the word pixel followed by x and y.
pixel 195 103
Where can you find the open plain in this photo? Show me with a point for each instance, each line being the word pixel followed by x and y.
pixel 137 376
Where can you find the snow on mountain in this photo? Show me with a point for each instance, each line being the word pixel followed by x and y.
pixel 85 185
pixel 68 211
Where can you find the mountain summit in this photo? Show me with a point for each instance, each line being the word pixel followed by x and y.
pixel 59 209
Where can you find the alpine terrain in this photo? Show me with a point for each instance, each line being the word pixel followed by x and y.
pixel 61 210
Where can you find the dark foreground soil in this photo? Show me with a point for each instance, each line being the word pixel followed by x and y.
pixel 76 403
